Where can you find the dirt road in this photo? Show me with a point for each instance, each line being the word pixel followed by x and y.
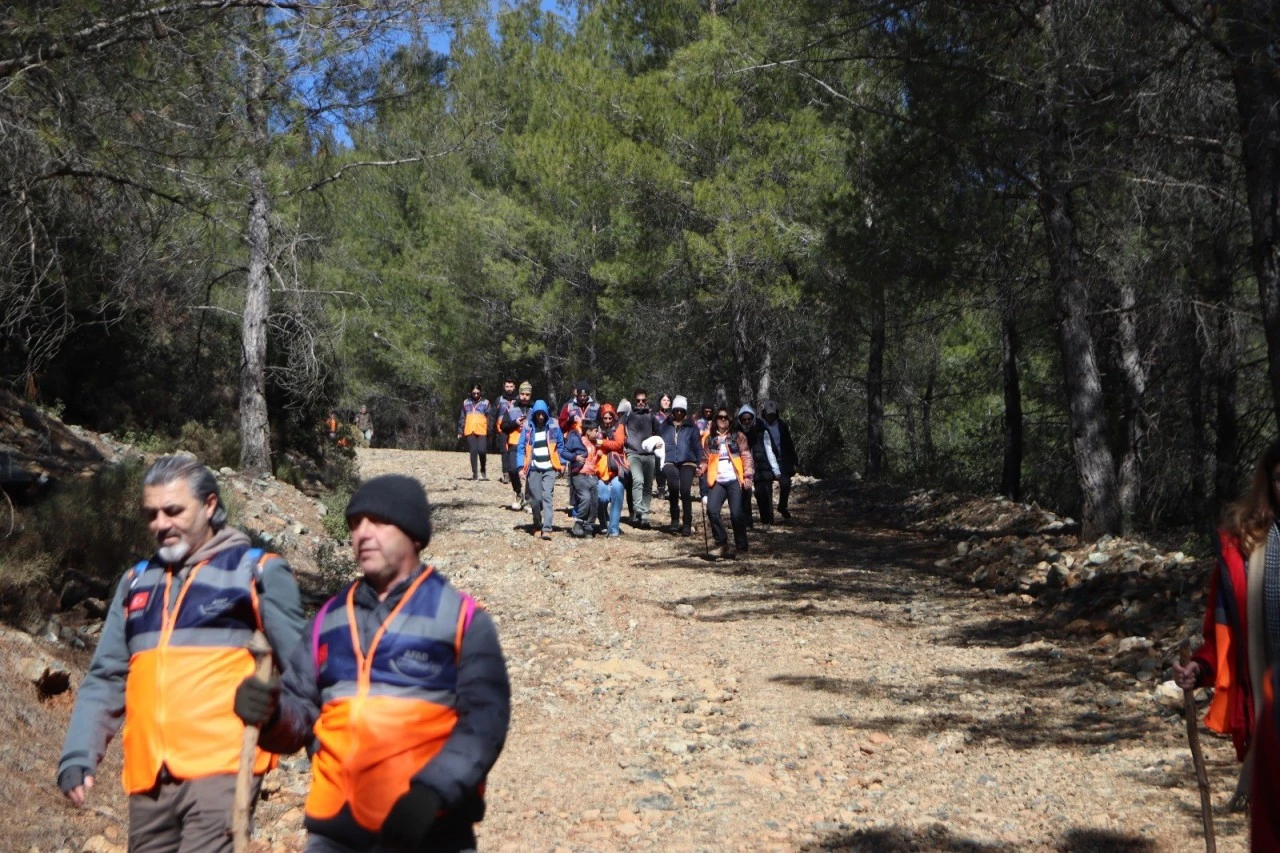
pixel 828 690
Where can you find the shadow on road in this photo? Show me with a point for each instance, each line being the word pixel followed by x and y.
pixel 937 839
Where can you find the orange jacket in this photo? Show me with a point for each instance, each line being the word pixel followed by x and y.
pixel 184 667
pixel 739 456
pixel 387 710
pixel 1224 656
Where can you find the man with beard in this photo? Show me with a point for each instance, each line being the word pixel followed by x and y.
pixel 510 425
pixel 506 401
pixel 171 655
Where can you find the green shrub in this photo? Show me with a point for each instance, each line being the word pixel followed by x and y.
pixel 217 448
pixel 335 518
pixel 335 568
pixel 93 526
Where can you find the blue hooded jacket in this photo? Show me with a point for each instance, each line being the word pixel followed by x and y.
pixel 555 437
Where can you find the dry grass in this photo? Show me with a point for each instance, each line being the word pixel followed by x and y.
pixel 36 815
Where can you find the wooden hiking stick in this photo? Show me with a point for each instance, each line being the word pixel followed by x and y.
pixel 706 544
pixel 261 651
pixel 1197 757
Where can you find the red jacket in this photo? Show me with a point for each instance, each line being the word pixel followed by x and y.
pixel 1224 657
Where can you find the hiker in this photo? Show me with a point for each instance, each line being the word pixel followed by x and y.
pixel 641 460
pixel 1264 830
pixel 364 423
pixel 584 457
pixel 764 456
pixel 660 416
pixel 473 423
pixel 1240 623
pixel 506 401
pixel 510 424
pixel 399 690
pixel 624 410
pixel 788 460
pixel 169 659
pixel 613 479
pixel 683 448
pixel 581 408
pixel 538 456
pixel 726 473
pixel 331 425
pixel 706 419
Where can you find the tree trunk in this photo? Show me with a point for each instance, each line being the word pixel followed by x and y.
pixel 255 436
pixel 926 408
pixel 875 384
pixel 1134 371
pixel 1226 366
pixel 766 367
pixel 1094 462
pixel 741 350
pixel 1251 34
pixel 1011 475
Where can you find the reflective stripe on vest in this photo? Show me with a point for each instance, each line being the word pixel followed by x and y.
pixel 185 664
pixel 385 712
pixel 713 461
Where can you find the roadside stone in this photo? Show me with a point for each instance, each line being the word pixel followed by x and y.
pixel 684 611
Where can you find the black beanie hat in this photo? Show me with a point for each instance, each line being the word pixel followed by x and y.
pixel 395 498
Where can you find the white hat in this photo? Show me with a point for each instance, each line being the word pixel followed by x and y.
pixel 680 403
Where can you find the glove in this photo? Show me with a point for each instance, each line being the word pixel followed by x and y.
pixel 72 778
pixel 257 701
pixel 410 819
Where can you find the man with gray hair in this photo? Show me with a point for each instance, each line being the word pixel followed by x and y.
pixel 171 655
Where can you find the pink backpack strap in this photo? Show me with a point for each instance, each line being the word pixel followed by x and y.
pixel 315 634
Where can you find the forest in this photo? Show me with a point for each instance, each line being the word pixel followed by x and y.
pixel 1018 246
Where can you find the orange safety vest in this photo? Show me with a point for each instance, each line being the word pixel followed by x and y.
pixel 387 711
pixel 713 460
pixel 185 664
pixel 475 417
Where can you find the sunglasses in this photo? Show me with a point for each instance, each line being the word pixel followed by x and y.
pixel 722 417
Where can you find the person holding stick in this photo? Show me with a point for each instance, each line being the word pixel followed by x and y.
pixel 400 688
pixel 1241 623
pixel 173 651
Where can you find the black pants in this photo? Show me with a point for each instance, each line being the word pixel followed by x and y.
pixel 784 490
pixel 679 485
pixel 764 500
pixel 716 497
pixel 479 447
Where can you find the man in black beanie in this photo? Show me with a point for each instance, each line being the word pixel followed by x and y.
pixel 407 712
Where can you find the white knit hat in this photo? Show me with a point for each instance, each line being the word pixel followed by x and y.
pixel 680 403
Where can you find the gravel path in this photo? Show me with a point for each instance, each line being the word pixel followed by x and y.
pixel 826 691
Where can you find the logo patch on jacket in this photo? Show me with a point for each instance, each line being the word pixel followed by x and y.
pixel 322 654
pixel 138 601
pixel 416 664
pixel 216 607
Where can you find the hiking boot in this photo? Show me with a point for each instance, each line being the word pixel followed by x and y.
pixel 577 532
pixel 686 531
pixel 545 535
pixel 784 512
pixel 484 476
pixel 517 505
pixel 503 479
pixel 613 535
pixel 728 552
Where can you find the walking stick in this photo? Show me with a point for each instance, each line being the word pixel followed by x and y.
pixel 261 651
pixel 706 544
pixel 1197 757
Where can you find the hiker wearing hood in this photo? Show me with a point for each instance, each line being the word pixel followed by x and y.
pixel 613 482
pixel 725 475
pixel 538 457
pixel 683 454
pixel 787 458
pixel 510 425
pixel 765 455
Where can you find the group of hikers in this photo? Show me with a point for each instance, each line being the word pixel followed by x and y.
pixel 634 452
pixel 397 688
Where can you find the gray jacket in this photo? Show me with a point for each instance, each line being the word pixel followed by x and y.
pixel 99 709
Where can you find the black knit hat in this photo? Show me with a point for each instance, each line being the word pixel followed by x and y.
pixel 395 498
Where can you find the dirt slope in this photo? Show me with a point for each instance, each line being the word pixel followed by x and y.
pixel 834 689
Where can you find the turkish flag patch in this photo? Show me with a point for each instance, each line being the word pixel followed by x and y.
pixel 322 654
pixel 139 600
